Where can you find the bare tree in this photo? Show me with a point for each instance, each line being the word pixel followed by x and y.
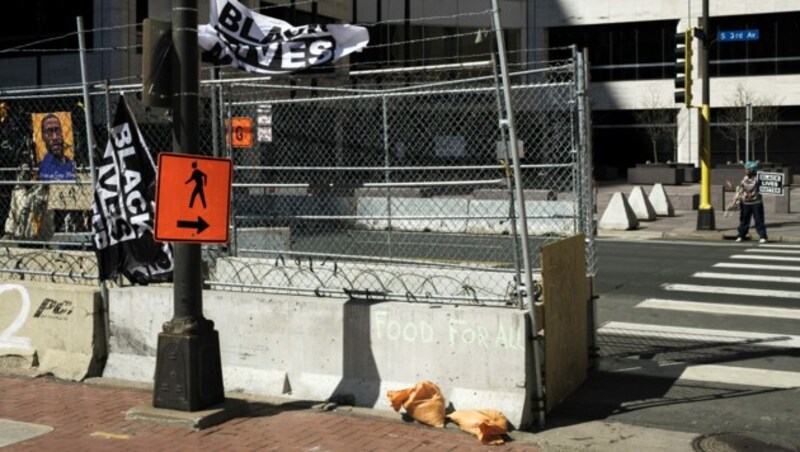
pixel 765 118
pixel 658 119
pixel 732 119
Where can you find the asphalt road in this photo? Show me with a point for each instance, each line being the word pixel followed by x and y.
pixel 697 337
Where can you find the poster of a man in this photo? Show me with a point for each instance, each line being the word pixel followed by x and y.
pixel 52 134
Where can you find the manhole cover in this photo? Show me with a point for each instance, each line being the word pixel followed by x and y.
pixel 735 442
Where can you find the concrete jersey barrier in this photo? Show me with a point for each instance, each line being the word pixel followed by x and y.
pixel 315 348
pixel 52 328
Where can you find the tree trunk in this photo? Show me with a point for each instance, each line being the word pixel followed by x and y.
pixel 655 151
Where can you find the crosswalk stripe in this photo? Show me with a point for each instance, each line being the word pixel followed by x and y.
pixel 699 334
pixel 720 308
pixel 725 290
pixel 787 268
pixel 742 376
pixel 747 277
pixel 771 250
pixel 778 245
pixel 765 258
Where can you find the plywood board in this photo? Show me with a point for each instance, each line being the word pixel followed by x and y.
pixel 566 295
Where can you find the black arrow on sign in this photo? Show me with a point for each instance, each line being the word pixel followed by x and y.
pixel 200 224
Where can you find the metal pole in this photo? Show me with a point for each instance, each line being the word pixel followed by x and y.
pixel 586 193
pixel 748 118
pixel 512 215
pixel 705 212
pixel 214 114
pixel 188 366
pixel 387 176
pixel 523 219
pixel 90 145
pixel 87 102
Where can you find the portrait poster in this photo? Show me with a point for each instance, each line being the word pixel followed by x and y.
pixel 65 118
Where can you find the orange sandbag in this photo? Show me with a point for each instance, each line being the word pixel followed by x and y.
pixel 488 425
pixel 424 402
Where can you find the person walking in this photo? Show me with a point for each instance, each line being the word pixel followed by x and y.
pixel 751 204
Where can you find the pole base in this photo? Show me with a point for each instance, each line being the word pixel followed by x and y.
pixel 705 219
pixel 188 372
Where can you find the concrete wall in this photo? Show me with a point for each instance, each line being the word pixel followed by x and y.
pixel 314 348
pixel 555 13
pixel 51 328
pixel 475 216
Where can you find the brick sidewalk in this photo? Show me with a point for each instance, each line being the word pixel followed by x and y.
pixel 89 417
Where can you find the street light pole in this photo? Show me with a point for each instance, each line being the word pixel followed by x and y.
pixel 705 212
pixel 188 366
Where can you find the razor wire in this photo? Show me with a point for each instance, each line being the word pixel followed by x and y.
pixel 381 185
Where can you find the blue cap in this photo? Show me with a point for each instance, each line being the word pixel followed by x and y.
pixel 751 166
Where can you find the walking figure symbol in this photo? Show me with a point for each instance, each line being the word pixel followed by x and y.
pixel 200 180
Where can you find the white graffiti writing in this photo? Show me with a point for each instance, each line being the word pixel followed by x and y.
pixel 7 336
pixel 458 332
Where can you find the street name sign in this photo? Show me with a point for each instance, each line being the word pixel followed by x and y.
pixel 193 198
pixel 738 35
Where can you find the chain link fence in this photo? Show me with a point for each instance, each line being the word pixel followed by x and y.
pixel 383 184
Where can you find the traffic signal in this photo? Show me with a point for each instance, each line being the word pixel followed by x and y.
pixel 683 67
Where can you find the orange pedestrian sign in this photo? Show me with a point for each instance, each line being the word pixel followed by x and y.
pixel 193 198
pixel 240 132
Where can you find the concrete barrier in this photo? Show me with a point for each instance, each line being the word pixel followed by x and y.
pixel 52 328
pixel 315 348
pixel 640 204
pixel 618 214
pixel 475 216
pixel 660 201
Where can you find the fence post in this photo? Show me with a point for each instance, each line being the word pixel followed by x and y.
pixel 586 195
pixel 90 145
pixel 508 122
pixel 387 175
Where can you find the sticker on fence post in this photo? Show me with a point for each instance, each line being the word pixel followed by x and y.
pixel 193 198
pixel 240 132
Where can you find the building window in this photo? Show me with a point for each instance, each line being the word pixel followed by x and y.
pixel 622 51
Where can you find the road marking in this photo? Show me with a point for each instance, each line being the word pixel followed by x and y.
pixel 725 290
pixel 788 268
pixel 775 245
pixel 742 376
pixel 747 277
pixel 771 250
pixel 765 258
pixel 720 308
pixel 699 334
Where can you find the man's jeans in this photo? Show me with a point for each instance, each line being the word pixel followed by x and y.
pixel 756 211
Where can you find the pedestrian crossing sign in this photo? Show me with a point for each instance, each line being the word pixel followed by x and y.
pixel 193 198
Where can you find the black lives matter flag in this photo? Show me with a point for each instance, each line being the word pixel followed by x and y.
pixel 260 44
pixel 123 208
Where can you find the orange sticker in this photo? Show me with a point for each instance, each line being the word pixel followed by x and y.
pixel 240 132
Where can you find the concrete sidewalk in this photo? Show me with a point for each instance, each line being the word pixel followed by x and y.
pixel 49 414
pixel 781 227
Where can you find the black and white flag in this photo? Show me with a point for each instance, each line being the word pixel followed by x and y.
pixel 264 45
pixel 123 208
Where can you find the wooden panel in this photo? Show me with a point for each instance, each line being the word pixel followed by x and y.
pixel 565 296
